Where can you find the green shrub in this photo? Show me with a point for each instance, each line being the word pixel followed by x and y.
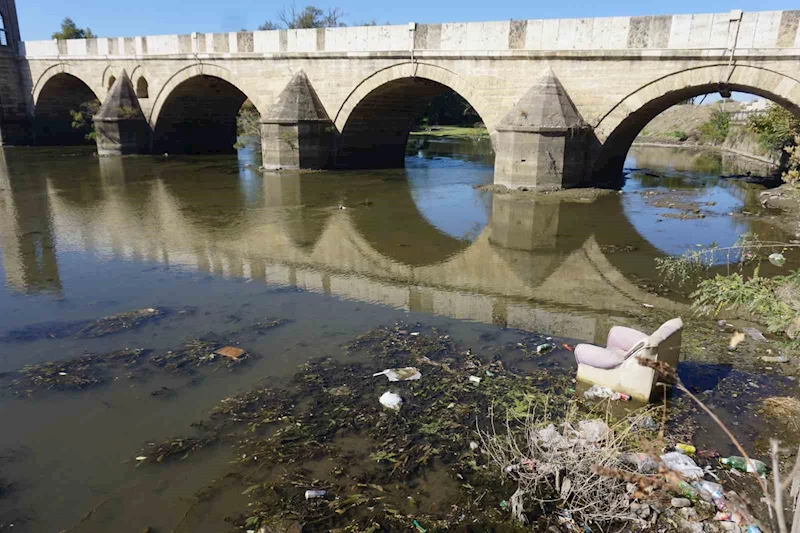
pixel 679 135
pixel 716 129
pixel 792 174
pixel 82 118
pixel 775 129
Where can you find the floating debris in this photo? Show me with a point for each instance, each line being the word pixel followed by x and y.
pixel 75 374
pixel 192 354
pixel 231 352
pixel 408 373
pixel 90 329
pixel 177 448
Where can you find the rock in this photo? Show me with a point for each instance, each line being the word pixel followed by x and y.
pixel 642 510
pixel 687 526
pixel 730 527
pixel 681 502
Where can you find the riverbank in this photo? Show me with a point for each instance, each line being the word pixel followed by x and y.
pixel 667 143
pixel 457 132
pixel 681 126
pixel 786 199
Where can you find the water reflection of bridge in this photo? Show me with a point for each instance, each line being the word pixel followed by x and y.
pixel 535 266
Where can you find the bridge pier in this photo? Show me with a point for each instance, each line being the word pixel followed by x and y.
pixel 296 133
pixel 542 142
pixel 120 126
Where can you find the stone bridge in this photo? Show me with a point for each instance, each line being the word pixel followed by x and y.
pixel 562 99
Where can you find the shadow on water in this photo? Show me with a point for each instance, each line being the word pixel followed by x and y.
pixel 335 254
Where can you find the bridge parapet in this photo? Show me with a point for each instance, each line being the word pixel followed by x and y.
pixel 765 30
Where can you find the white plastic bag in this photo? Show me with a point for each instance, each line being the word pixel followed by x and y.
pixel 391 400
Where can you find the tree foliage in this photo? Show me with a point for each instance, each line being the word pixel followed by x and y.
pixel 716 129
pixel 448 109
pixel 291 18
pixel 792 174
pixel 776 129
pixel 70 30
pixel 82 118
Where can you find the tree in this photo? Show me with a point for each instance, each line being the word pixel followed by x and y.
pixel 69 30
pixel 308 17
pixel 776 129
pixel 715 131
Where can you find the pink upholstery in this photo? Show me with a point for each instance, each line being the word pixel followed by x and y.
pixel 624 338
pixel 589 354
pixel 622 342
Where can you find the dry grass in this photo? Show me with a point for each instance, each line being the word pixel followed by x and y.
pixel 784 408
pixel 560 466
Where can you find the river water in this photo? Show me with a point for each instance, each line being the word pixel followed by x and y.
pixel 223 246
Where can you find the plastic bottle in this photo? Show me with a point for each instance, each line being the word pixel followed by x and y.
pixel 709 491
pixel 741 464
pixel 312 494
pixel 688 449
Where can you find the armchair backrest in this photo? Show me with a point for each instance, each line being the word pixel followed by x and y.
pixel 665 342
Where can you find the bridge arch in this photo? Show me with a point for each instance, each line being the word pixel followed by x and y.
pixel 376 117
pixel 617 130
pixel 195 111
pixel 57 94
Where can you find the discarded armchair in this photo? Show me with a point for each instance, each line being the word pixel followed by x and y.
pixel 616 365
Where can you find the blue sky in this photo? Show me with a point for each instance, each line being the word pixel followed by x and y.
pixel 40 18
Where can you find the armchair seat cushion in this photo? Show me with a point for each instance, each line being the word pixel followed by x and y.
pixel 597 357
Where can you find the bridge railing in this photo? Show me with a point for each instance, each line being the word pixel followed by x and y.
pixel 720 31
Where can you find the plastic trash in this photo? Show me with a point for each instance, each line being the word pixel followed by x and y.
pixel 141 458
pixel 683 464
pixel 777 259
pixel 544 348
pixel 687 449
pixel 231 352
pixel 755 335
pixel 774 358
pixel 475 379
pixel 709 491
pixel 737 338
pixel 741 464
pixel 408 373
pixel 419 527
pixel 314 494
pixel 753 529
pixel 596 391
pixel 391 400
pixel 593 430
pixel 643 462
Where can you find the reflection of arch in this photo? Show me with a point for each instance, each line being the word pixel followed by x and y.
pixel 198 115
pixel 142 88
pixel 394 227
pixel 380 110
pixel 61 94
pixel 617 129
